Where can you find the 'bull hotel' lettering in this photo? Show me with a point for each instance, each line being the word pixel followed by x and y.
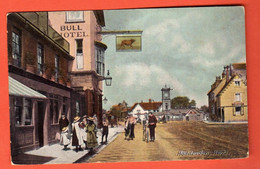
pixel 68 28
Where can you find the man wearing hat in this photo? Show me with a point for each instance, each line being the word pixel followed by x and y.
pixel 63 121
pixel 77 139
pixel 91 135
pixel 152 124
pixel 65 138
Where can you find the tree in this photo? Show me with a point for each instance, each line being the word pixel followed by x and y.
pixel 192 103
pixel 204 108
pixel 182 102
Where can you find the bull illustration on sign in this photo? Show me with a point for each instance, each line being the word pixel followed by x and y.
pixel 128 43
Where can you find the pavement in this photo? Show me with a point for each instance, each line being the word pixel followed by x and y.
pixel 53 154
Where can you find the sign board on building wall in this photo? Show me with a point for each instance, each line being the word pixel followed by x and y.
pixel 128 43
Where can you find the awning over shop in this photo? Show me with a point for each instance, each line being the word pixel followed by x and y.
pixel 18 89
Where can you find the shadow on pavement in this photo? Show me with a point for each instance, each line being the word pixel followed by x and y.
pixel 30 159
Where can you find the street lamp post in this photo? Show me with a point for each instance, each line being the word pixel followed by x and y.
pixel 105 100
pixel 108 79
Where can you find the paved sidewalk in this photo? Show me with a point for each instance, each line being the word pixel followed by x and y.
pixel 54 154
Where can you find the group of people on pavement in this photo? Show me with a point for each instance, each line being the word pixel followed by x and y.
pixel 83 132
pixel 130 125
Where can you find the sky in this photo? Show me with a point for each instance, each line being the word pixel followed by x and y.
pixel 185 48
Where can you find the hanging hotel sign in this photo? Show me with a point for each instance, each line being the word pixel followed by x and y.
pixel 128 43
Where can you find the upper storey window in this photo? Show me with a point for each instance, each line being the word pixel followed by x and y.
pixel 74 16
pixel 16 48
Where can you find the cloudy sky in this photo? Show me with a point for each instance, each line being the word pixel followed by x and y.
pixel 185 48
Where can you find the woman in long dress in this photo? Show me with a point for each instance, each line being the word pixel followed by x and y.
pixel 77 139
pixel 91 134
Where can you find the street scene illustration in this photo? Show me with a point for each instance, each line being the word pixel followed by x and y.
pixel 132 85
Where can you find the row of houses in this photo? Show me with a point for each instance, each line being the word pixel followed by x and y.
pixel 140 110
pixel 227 97
pixel 56 66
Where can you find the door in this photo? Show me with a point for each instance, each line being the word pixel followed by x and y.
pixel 40 122
pixel 222 116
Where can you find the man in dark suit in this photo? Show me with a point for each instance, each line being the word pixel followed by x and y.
pixel 152 124
pixel 63 122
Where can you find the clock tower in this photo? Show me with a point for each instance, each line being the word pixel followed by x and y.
pixel 166 99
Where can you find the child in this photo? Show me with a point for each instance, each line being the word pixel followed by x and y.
pixel 65 137
pixel 105 131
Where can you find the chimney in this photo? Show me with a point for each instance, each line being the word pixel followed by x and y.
pixel 223 74
pixel 230 68
pixel 227 73
pixel 150 100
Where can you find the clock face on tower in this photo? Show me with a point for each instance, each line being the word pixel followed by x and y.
pixel 166 95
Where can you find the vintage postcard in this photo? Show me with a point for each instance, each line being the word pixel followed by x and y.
pixel 79 91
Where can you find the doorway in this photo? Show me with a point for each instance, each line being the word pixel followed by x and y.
pixel 222 116
pixel 40 122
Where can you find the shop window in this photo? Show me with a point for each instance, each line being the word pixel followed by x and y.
pixel 40 58
pixel 74 16
pixel 79 53
pixel 23 111
pixel 56 112
pixel 27 112
pixel 54 109
pixel 64 108
pixel 100 61
pixel 77 108
pixel 16 48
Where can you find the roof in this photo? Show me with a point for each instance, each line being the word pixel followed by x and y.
pixel 148 105
pixel 16 88
pixel 217 87
pixel 226 85
pixel 239 65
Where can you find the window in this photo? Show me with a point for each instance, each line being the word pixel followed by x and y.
pixel 54 109
pixel 100 61
pixel 16 48
pixel 79 53
pixel 57 60
pixel 27 112
pixel 238 110
pixel 238 97
pixel 77 108
pixel 64 108
pixel 237 83
pixel 74 16
pixel 18 109
pixel 40 58
pixel 23 111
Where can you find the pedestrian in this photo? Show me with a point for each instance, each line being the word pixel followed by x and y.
pixel 104 130
pixel 95 121
pixel 132 121
pixel 83 127
pixel 63 122
pixel 127 128
pixel 152 124
pixel 65 137
pixel 91 136
pixel 77 134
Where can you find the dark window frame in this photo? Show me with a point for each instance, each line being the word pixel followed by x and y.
pixel 16 47
pixel 40 58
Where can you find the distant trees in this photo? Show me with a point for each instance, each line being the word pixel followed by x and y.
pixel 182 102
pixel 204 108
